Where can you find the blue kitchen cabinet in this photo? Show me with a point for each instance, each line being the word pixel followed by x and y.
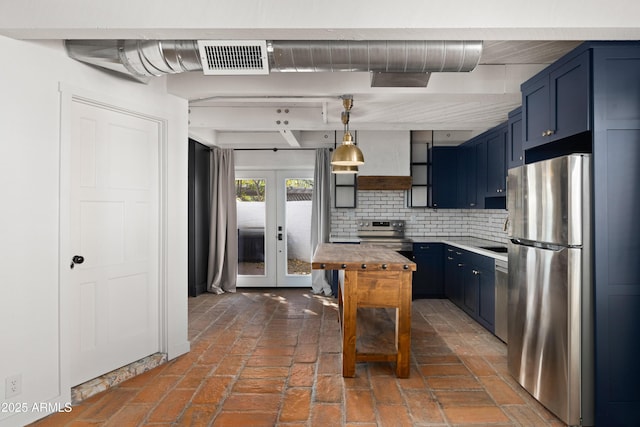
pixel 515 152
pixel 616 202
pixel 481 157
pixel 479 289
pixel 469 283
pixel 555 102
pixel 453 269
pixel 444 190
pixel 467 175
pixel 483 269
pixel 496 162
pixel 482 170
pixel 463 157
pixel 428 278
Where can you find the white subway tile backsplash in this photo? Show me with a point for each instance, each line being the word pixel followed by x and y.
pixel 486 224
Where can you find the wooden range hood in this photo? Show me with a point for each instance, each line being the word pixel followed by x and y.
pixel 371 182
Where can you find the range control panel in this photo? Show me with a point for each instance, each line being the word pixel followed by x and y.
pixel 382 228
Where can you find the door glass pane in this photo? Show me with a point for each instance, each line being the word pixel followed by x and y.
pixel 250 203
pixel 298 225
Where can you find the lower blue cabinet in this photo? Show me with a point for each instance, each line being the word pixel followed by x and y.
pixel 428 278
pixel 469 282
pixel 453 265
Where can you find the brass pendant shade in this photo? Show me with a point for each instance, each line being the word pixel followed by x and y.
pixel 344 169
pixel 347 154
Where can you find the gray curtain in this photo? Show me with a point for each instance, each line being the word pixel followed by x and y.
pixel 222 271
pixel 321 216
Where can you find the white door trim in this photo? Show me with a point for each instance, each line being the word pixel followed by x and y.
pixel 68 95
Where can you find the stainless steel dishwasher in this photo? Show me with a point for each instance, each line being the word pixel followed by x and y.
pixel 502 299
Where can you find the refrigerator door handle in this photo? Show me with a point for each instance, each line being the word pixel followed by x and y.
pixel 539 245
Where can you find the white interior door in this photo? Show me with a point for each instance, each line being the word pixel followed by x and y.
pixel 114 217
pixel 274 227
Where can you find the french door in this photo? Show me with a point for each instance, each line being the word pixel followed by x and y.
pixel 274 227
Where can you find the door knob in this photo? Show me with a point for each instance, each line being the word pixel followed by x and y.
pixel 77 259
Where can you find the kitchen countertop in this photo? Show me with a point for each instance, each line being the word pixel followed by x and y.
pixel 468 243
pixel 331 256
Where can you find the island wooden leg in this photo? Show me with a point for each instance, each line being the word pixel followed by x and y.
pixel 350 309
pixel 403 327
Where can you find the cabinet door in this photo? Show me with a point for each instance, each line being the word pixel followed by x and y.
pixel 482 172
pixel 470 287
pixel 445 178
pixel 453 275
pixel 467 184
pixel 462 172
pixel 485 276
pixel 569 89
pixel 496 165
pixel 515 153
pixel 428 278
pixel 556 105
pixel 535 112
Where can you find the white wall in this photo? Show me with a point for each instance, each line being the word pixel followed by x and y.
pixel 385 152
pixel 30 318
pixel 269 159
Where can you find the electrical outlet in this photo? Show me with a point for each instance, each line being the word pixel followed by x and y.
pixel 13 386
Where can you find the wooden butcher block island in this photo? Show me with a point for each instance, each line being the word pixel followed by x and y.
pixel 370 276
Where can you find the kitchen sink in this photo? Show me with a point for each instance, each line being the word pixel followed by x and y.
pixel 499 249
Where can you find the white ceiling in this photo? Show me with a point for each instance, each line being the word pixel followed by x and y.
pixel 520 38
pixel 471 102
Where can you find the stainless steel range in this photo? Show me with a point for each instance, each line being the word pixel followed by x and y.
pixel 386 233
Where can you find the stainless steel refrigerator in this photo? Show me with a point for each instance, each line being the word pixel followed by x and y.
pixel 550 309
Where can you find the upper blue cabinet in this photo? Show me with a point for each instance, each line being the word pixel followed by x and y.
pixel 515 153
pixel 555 103
pixel 496 182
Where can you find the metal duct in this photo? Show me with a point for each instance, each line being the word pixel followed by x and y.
pixel 139 59
pixel 379 56
pixel 142 59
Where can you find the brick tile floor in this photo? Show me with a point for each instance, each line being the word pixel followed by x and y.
pixel 272 357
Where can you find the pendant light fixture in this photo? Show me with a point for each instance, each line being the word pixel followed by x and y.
pixel 347 156
pixel 344 169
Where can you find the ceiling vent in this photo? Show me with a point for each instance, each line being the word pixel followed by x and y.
pixel 233 57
